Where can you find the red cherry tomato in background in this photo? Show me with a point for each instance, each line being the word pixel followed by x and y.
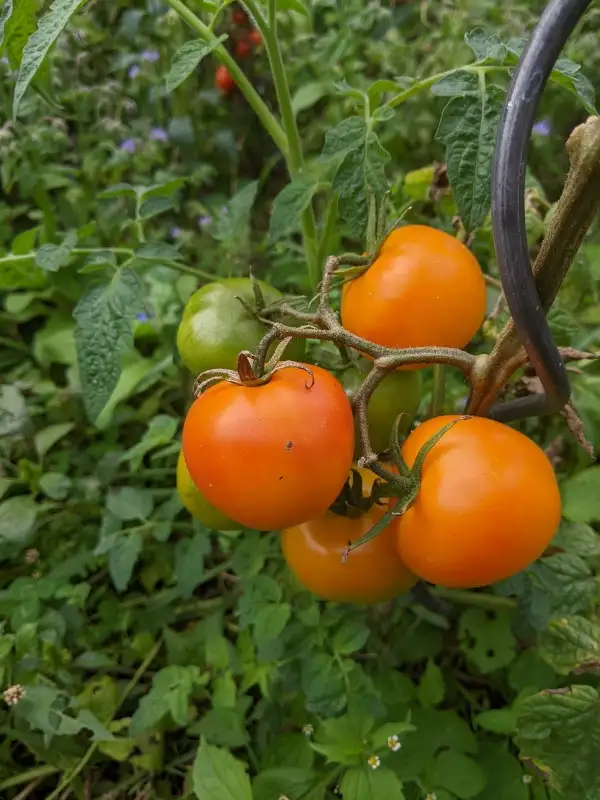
pixel 243 49
pixel 255 38
pixel 223 80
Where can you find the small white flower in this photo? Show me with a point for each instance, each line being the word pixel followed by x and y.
pixel 308 730
pixel 394 743
pixel 431 796
pixel 31 555
pixel 527 778
pixel 373 762
pixel 13 694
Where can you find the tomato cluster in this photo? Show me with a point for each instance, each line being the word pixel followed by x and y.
pixel 247 39
pixel 275 452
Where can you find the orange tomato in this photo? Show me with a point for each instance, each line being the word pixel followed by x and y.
pixel 275 455
pixel 425 288
pixel 487 507
pixel 373 573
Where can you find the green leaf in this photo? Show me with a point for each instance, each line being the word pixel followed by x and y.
pixel 128 503
pixel 154 206
pixel 51 257
pixel 289 204
pixel 457 83
pixel 17 520
pixel 581 496
pixel 498 720
pixel 457 773
pixel 5 14
pixel 189 562
pixel 103 334
pixel 222 726
pixel 307 95
pixel 431 688
pixel 219 776
pixel 485 45
pixel 299 6
pixel 270 622
pixel 50 27
pixel 570 581
pixel 55 485
pixel 468 128
pixel 160 431
pixel 577 537
pixel 233 223
pixel 18 27
pixel 571 644
pixel 170 692
pixel 122 558
pixel 45 439
pixel 20 272
pixel 322 684
pixel 13 410
pixel 364 783
pixel 487 640
pixel 291 782
pixel 504 773
pixel 351 636
pixel 187 58
pixel 118 190
pixel 158 251
pixel 379 737
pixel 560 733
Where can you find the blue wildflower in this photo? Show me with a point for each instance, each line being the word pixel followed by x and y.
pixel 175 232
pixel 204 221
pixel 159 135
pixel 128 146
pixel 142 316
pixel 134 71
pixel 542 128
pixel 150 55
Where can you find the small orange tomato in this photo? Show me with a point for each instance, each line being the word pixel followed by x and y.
pixel 373 573
pixel 424 289
pixel 487 507
pixel 243 49
pixel 274 455
pixel 255 38
pixel 223 80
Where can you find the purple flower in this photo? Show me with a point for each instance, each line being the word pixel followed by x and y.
pixel 128 146
pixel 134 71
pixel 150 55
pixel 4 60
pixel 159 135
pixel 204 221
pixel 175 232
pixel 542 128
pixel 142 316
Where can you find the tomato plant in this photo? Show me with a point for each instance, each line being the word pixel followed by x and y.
pixel 223 80
pixel 487 507
pixel 274 455
pixel 197 504
pixel 424 270
pixel 373 573
pixel 218 322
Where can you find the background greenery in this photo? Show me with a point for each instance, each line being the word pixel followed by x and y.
pixel 138 635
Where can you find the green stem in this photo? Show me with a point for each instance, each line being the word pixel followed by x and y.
pixel 30 775
pixel 473 598
pixel 270 123
pixel 438 394
pixel 427 82
pixel 327 231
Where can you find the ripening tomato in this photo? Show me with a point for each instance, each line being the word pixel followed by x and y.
pixel 424 289
pixel 255 38
pixel 488 504
pixel 216 326
pixel 373 573
pixel 399 392
pixel 239 16
pixel 223 80
pixel 243 49
pixel 275 455
pixel 196 504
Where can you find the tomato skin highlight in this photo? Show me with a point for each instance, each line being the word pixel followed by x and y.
pixel 223 80
pixel 424 289
pixel 373 573
pixel 488 505
pixel 215 326
pixel 271 456
pixel 196 504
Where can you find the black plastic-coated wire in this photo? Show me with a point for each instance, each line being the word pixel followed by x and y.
pixel 508 210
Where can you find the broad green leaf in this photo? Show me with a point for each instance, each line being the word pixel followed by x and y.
pixel 581 496
pixel 577 537
pixel 289 781
pixel 379 737
pixel 571 644
pixel 289 204
pixel 497 720
pixel 118 190
pixel 232 225
pixel 20 272
pixel 485 45
pixel 158 251
pixel 365 783
pixel 189 562
pixel 103 334
pixel 122 558
pixel 13 410
pixel 160 432
pixel 51 257
pixel 217 775
pixel 570 581
pixel 154 206
pixel 54 342
pixel 45 439
pixel 431 687
pixel 560 733
pixel 307 95
pixel 270 622
pixel 5 14
pixel 187 58
pixel 288 750
pixel 55 485
pixel 50 27
pixel 128 503
pixel 322 684
pixel 487 641
pixel 225 727
pixel 457 83
pixel 299 6
pixel 17 520
pixel 468 129
pixel 504 773
pixel 457 773
pixel 163 189
pixel 351 636
pixel 171 688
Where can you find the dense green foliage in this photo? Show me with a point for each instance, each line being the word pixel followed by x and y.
pixel 163 660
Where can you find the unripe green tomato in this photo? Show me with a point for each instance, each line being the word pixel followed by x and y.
pixel 399 392
pixel 197 504
pixel 216 326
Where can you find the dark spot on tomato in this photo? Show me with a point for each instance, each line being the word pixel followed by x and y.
pixel 281 477
pixel 289 445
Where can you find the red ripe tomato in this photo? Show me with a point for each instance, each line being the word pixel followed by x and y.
pixel 373 573
pixel 425 288
pixel 223 80
pixel 239 17
pixel 275 455
pixel 255 38
pixel 488 504
pixel 243 49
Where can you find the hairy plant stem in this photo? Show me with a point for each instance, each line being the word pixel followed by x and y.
pixel 574 214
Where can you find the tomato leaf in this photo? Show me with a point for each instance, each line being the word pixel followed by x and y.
pixel 160 432
pixel 103 334
pixel 488 642
pixel 307 95
pixel 364 783
pixel 581 496
pixel 569 580
pixel 50 27
pixel 189 562
pixel 577 537
pixel 17 520
pixel 122 558
pixel 170 692
pixel 560 732
pixel 51 257
pixel 128 503
pixel 232 228
pixel 220 776
pixel 459 82
pixel 289 204
pixel 486 45
pixel 187 58
pixel 46 438
pixel 571 644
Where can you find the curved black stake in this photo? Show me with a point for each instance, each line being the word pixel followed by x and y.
pixel 508 210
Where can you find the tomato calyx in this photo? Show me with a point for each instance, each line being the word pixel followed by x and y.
pixel 403 487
